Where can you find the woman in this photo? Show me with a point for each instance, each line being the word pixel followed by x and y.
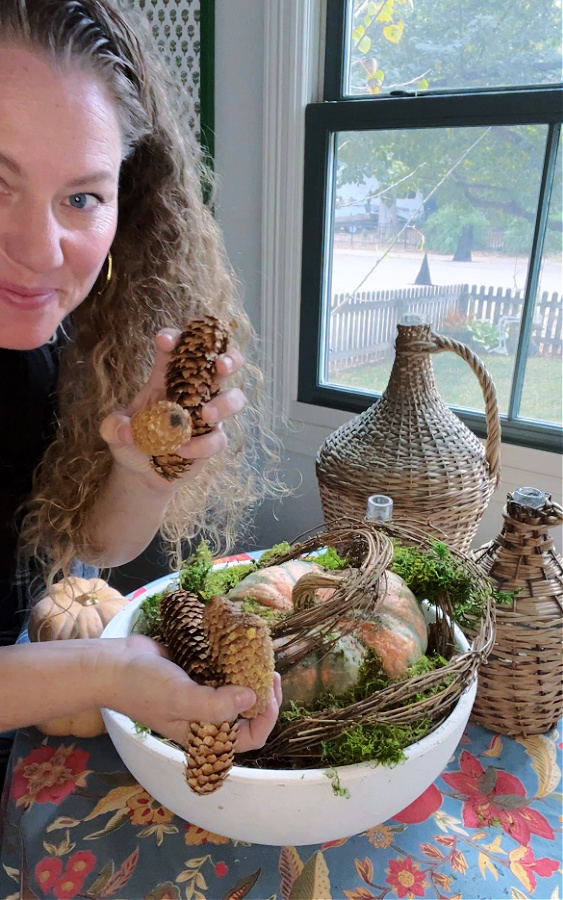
pixel 104 244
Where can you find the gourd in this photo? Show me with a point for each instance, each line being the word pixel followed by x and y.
pixel 322 671
pixel 398 632
pixel 75 608
pixel 273 585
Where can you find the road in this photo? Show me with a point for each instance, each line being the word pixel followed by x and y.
pixel 399 270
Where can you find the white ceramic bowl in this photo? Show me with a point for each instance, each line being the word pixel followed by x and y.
pixel 280 806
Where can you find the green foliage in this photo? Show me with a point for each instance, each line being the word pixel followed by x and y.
pixel 433 573
pixel 485 335
pixel 148 621
pixel 221 581
pixel 271 616
pixel 195 569
pixel 269 556
pixel 442 228
pixel 373 743
pixel 329 559
pixel 337 788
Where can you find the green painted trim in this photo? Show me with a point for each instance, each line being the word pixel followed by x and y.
pixel 207 77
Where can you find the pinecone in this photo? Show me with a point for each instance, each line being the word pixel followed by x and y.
pixel 181 628
pixel 189 381
pixel 162 428
pixel 209 755
pixel 216 644
pixel 241 649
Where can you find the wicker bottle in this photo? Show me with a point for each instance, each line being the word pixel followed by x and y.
pixel 520 688
pixel 411 446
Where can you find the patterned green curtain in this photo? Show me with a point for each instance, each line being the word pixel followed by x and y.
pixel 183 31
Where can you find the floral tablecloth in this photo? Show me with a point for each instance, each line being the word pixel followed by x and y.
pixel 77 824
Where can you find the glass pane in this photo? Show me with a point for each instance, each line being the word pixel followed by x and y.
pixel 438 221
pixel 542 394
pixel 451 44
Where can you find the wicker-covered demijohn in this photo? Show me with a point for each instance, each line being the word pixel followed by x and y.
pixel 521 686
pixel 412 447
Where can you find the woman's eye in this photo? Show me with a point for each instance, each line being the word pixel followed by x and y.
pixel 83 201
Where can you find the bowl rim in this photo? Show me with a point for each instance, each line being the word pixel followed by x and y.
pixel 159 748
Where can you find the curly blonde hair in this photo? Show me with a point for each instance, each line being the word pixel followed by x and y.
pixel 168 266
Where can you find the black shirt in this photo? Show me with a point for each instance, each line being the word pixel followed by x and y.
pixel 27 419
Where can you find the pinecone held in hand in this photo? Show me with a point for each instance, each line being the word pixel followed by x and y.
pixel 190 379
pixel 216 644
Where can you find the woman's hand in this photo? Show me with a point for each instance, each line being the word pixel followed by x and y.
pixel 116 428
pixel 151 689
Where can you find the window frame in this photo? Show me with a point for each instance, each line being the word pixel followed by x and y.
pixel 337 112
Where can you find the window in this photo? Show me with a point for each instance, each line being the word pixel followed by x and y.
pixel 433 184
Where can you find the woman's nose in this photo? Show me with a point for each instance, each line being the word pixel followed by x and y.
pixel 33 239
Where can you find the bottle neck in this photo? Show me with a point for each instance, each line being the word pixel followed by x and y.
pixel 412 371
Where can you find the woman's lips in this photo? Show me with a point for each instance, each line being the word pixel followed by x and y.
pixel 26 298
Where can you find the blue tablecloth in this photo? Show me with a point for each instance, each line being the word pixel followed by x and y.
pixel 77 824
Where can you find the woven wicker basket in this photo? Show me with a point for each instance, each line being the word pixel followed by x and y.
pixel 429 697
pixel 411 446
pixel 521 686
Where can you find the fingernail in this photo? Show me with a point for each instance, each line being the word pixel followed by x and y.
pixel 227 362
pixel 211 416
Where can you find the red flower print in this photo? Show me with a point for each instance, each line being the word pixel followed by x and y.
pixel 493 796
pixel 221 869
pixel 67 886
pixel 80 863
pixel 47 871
pixel 48 775
pixel 523 865
pixel 421 808
pixel 406 879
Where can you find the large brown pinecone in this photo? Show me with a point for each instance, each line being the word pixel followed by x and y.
pixel 216 644
pixel 241 648
pixel 190 381
pixel 181 628
pixel 209 755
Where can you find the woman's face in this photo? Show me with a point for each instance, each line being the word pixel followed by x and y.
pixel 60 153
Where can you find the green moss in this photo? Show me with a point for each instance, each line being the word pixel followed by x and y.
pixel 269 556
pixel 141 729
pixel 221 581
pixel 195 569
pixel 271 616
pixel 433 573
pixel 329 559
pixel 373 743
pixel 148 621
pixel 337 788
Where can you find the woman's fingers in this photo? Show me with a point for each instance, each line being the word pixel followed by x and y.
pixel 224 405
pixel 228 363
pixel 154 389
pixel 253 733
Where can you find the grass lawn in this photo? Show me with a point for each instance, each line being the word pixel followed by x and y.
pixel 542 396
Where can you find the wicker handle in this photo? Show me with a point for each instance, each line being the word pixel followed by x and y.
pixel 492 444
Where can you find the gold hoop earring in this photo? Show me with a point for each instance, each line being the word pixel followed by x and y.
pixel 110 268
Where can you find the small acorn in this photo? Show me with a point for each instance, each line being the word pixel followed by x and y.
pixel 162 428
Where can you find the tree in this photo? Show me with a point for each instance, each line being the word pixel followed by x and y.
pixel 490 176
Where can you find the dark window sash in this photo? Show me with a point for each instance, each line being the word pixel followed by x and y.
pixel 541 105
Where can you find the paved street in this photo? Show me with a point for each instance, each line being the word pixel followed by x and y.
pixel 399 270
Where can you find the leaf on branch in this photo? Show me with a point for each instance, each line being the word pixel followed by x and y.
pixel 394 33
